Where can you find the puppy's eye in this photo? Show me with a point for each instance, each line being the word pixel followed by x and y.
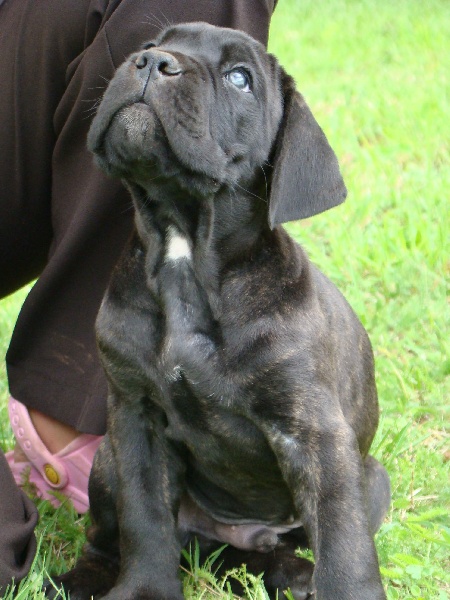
pixel 240 79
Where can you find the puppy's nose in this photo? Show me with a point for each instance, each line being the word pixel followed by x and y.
pixel 152 64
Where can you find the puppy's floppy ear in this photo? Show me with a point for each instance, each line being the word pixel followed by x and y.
pixel 306 179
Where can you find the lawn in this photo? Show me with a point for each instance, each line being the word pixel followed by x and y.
pixel 376 75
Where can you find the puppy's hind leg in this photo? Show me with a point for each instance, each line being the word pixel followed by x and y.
pixel 378 492
pixel 281 567
pixel 97 569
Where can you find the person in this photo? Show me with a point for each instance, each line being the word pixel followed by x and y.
pixel 18 518
pixel 63 222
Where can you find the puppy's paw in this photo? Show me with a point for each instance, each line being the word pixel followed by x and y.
pixel 91 578
pixel 143 592
pixel 295 574
pixel 57 588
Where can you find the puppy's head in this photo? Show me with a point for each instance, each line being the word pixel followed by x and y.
pixel 204 107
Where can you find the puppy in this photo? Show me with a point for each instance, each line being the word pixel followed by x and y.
pixel 242 398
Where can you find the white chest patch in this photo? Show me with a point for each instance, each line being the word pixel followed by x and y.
pixel 177 246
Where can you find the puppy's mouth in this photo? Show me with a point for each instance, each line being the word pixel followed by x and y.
pixel 127 140
pixel 136 118
pixel 157 120
pixel 132 127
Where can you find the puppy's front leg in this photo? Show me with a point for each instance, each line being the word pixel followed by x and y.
pixel 191 330
pixel 150 476
pixel 323 468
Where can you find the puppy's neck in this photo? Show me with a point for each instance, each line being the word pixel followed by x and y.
pixel 213 233
pixel 223 226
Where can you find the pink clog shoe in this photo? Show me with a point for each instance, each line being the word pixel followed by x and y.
pixel 67 471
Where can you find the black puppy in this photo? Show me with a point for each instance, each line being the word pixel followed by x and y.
pixel 242 398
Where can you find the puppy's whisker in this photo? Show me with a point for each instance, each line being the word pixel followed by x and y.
pixel 88 114
pixel 250 193
pixel 153 25
pixel 154 22
pixel 94 104
pixel 90 109
pixel 233 196
pixel 147 202
pixel 127 209
pixel 154 178
pixel 169 23
pixel 267 187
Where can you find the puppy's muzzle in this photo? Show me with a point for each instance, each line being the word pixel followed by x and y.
pixel 152 64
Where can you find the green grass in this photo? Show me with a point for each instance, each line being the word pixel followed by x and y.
pixel 376 75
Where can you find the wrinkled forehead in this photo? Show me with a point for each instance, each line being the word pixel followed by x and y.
pixel 214 45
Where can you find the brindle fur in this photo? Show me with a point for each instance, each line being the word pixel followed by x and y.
pixel 242 397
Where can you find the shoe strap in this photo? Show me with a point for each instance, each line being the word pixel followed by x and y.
pixel 49 466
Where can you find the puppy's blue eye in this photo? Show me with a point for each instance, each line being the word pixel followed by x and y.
pixel 239 78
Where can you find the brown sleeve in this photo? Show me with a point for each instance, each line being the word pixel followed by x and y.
pixel 60 218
